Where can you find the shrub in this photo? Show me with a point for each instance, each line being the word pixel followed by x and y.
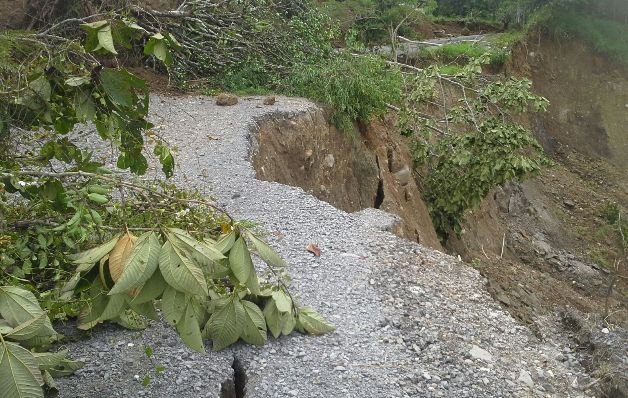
pixel 356 88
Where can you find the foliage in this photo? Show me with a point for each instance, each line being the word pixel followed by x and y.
pixel 476 146
pixel 608 37
pixel 373 19
pixel 24 324
pixel 464 52
pixel 355 87
pixel 57 197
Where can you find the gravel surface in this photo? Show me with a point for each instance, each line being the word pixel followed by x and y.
pixel 411 322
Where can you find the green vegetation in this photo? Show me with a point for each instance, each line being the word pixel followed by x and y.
pixel 356 88
pixel 471 144
pixel 463 53
pixel 57 199
pixel 608 37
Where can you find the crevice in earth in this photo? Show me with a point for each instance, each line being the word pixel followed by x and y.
pixel 379 195
pixel 235 387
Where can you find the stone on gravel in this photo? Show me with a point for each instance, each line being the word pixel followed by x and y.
pixel 226 99
pixel 480 353
pixel 525 378
pixel 270 100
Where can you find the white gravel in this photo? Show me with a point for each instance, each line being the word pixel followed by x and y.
pixel 410 320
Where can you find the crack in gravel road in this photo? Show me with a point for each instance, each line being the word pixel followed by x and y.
pixel 411 322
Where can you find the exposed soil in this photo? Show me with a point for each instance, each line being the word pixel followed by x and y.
pixel 369 167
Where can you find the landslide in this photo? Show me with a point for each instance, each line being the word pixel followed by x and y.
pixel 369 167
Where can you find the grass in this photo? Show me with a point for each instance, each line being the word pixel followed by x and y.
pixel 607 37
pixel 463 52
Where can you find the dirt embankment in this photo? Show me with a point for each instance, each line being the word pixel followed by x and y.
pixel 369 167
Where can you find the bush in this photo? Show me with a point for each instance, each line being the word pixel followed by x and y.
pixel 464 52
pixel 356 88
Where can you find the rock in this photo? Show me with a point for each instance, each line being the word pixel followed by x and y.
pixel 270 100
pixel 480 353
pixel 525 378
pixel 570 204
pixel 226 99
pixel 329 161
pixel 403 176
pixel 542 247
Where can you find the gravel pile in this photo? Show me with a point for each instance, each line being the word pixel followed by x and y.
pixel 411 322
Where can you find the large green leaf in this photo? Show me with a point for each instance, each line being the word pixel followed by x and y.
pixel 240 260
pixel 34 327
pixel 56 363
pixel 140 265
pixel 313 323
pixel 173 304
pixel 115 305
pixel 180 272
pixel 153 288
pixel 20 376
pixel 254 328
pixel 225 325
pixel 189 330
pixel 202 252
pixel 282 300
pixel 273 318
pixel 84 106
pixel 19 306
pixel 146 309
pixel 132 320
pixel 265 252
pixel 158 47
pixel 87 259
pixel 225 243
pixel 119 85
pixel 89 316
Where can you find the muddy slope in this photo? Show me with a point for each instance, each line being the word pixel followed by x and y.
pixel 369 167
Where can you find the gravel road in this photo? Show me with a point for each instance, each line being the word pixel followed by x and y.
pixel 411 322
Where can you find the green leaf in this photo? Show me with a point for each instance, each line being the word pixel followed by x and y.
pixel 120 84
pixel 56 363
pixel 254 327
pixel 20 376
pixel 173 304
pixel 240 261
pixel 313 322
pixel 140 265
pixel 19 306
pixel 105 40
pixel 115 305
pixel 84 106
pixel 97 301
pixel 34 327
pixel 180 272
pixel 87 259
pixel 98 198
pixel 288 322
pixel 189 330
pixel 152 289
pixel 265 252
pixel 146 309
pixel 203 252
pixel 225 243
pixel 77 81
pixel 225 325
pixel 273 318
pixel 132 320
pixel 282 300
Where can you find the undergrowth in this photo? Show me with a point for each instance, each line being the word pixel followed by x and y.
pixel 608 37
pixel 356 88
pixel 464 52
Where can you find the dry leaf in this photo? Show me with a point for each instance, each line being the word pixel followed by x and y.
pixel 213 137
pixel 119 254
pixel 314 249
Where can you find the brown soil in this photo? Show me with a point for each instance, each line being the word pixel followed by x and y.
pixel 369 167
